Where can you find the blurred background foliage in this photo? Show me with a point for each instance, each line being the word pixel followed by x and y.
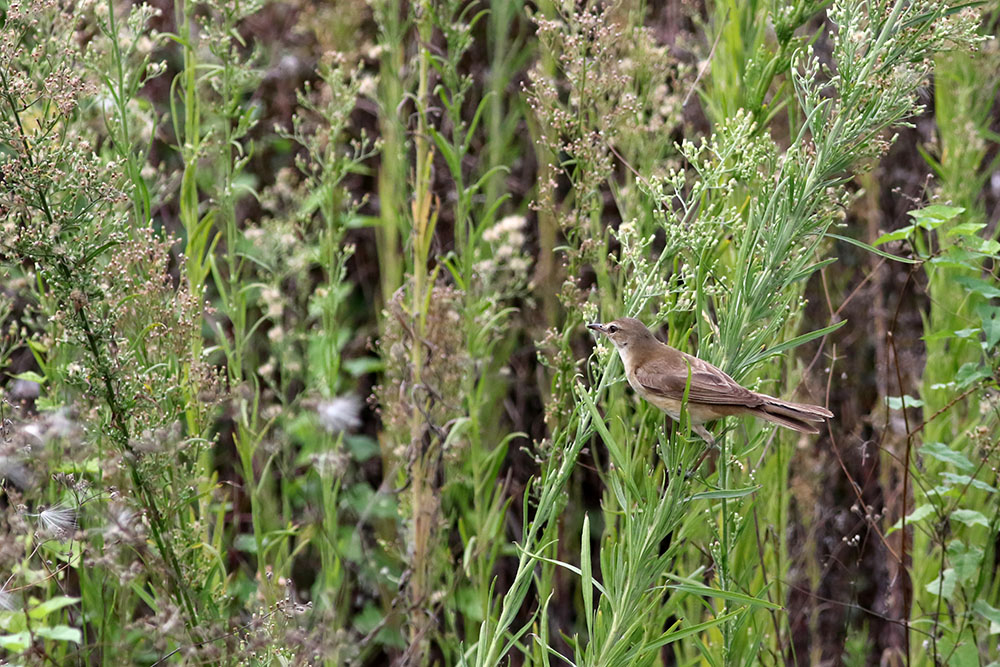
pixel 293 367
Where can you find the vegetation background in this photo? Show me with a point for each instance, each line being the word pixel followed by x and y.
pixel 293 360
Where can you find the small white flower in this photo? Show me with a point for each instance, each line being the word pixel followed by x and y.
pixel 368 87
pixel 512 223
pixel 518 265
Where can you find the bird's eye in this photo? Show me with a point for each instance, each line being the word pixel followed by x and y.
pixel 613 328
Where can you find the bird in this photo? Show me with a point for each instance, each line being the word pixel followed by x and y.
pixel 659 373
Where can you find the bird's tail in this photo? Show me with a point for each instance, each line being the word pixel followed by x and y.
pixel 796 416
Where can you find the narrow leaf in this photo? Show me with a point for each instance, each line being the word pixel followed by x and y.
pixel 572 568
pixel 725 493
pixel 586 577
pixel 698 588
pixel 873 249
pixel 676 635
pixel 794 342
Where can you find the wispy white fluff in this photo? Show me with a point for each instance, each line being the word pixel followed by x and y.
pixel 340 414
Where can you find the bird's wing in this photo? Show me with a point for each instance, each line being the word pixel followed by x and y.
pixel 668 378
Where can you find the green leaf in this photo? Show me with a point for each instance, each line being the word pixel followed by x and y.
pixel 990 613
pixel 614 449
pixel 451 157
pixel 873 249
pixel 365 501
pixel 675 635
pixel 987 246
pixel 61 633
pixel 725 493
pixel 897 235
pixel 944 584
pixel 916 515
pixel 978 286
pixel 970 518
pixel 794 342
pixel 370 619
pixel 896 403
pixel 51 605
pixel 966 229
pixel 30 376
pixel 97 251
pixel 965 480
pixel 245 542
pixel 960 648
pixel 956 258
pixel 362 366
pixel 467 602
pixel 965 560
pixel 16 643
pixel 13 621
pixel 945 454
pixel 362 447
pixel 91 466
pixel 935 215
pixel 697 588
pixel 587 577
pixel 969 372
pixel 990 318
pixel 568 566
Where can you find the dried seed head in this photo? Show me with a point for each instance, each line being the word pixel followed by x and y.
pixel 340 414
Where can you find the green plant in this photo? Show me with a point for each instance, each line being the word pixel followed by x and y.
pixel 214 241
pixel 948 464
pixel 744 228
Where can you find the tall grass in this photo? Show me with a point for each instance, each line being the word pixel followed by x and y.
pixel 204 281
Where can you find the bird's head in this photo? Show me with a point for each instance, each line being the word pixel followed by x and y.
pixel 624 332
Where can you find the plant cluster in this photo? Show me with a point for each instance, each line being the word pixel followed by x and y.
pixel 292 363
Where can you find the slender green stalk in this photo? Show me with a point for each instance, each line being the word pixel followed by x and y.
pixel 392 176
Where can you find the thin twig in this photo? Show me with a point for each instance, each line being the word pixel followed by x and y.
pixel 704 65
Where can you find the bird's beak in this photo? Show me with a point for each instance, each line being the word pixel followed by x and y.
pixel 596 326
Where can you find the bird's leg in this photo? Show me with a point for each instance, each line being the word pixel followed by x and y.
pixel 704 434
pixel 710 445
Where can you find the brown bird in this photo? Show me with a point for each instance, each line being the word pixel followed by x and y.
pixel 659 374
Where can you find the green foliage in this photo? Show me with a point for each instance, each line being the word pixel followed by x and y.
pixel 204 274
